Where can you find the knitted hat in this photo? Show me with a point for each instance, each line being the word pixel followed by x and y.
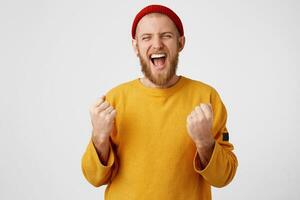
pixel 157 9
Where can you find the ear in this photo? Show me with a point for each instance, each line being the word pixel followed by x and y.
pixel 181 43
pixel 135 47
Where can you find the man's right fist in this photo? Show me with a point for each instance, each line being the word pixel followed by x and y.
pixel 102 117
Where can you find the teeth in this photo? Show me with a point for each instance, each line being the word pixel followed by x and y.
pixel 158 55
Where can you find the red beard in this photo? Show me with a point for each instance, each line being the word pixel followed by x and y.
pixel 163 78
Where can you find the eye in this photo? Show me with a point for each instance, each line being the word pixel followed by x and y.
pixel 146 38
pixel 167 36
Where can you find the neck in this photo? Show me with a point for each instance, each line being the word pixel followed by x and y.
pixel 146 82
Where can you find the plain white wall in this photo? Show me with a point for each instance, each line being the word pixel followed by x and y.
pixel 57 57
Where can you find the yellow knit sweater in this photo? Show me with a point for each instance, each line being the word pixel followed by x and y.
pixel 151 155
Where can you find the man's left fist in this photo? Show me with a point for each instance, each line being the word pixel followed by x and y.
pixel 199 125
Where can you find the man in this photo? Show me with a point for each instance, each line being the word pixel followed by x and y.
pixel 162 136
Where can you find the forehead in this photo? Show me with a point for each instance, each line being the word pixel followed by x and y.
pixel 155 23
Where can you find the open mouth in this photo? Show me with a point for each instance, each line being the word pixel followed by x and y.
pixel 158 59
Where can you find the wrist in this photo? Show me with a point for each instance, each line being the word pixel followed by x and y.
pixel 205 152
pixel 100 141
pixel 205 145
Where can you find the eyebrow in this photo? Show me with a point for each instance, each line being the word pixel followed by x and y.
pixel 145 34
pixel 164 33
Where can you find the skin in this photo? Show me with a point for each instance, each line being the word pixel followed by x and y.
pixel 199 125
pixel 156 33
pixel 102 117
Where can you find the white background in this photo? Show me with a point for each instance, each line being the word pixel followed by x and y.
pixel 57 57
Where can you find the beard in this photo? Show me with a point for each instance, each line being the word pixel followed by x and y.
pixel 160 79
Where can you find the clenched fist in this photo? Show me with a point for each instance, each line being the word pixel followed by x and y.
pixel 199 125
pixel 102 117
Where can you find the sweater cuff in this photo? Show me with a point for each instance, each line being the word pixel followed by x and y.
pixel 210 166
pixel 111 157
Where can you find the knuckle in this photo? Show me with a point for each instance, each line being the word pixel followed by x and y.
pixel 113 111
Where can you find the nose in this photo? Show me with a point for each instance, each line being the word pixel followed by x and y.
pixel 157 43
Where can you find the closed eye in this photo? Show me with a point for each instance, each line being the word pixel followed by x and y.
pixel 167 36
pixel 145 38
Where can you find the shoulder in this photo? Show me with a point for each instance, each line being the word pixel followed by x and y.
pixel 197 85
pixel 211 95
pixel 204 90
pixel 120 90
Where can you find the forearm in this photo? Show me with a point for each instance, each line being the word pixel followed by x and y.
pixel 205 153
pixel 102 148
pixel 221 166
pixel 93 169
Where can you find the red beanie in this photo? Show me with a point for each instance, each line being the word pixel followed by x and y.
pixel 157 9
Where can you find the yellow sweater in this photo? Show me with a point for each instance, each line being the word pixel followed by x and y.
pixel 151 155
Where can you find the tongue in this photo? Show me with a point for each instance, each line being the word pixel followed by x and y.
pixel 159 61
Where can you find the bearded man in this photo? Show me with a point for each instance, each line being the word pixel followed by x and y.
pixel 162 136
